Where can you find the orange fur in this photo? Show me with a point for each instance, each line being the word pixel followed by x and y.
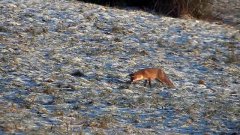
pixel 150 74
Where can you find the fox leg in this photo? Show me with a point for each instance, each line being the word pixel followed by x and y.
pixel 145 83
pixel 149 82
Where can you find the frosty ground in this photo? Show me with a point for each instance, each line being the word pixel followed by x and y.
pixel 64 67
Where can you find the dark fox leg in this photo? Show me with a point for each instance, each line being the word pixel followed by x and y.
pixel 145 83
pixel 149 82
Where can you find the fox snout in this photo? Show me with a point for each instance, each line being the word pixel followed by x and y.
pixel 131 78
pixel 134 78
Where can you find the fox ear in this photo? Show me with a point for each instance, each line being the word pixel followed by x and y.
pixel 130 75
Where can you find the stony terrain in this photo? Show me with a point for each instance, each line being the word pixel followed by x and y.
pixel 64 67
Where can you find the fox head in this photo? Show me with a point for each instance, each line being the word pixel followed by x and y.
pixel 135 77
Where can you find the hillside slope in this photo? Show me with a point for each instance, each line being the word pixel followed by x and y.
pixel 64 67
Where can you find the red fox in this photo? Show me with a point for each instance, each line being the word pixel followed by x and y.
pixel 150 74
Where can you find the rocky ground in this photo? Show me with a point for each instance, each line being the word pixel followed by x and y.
pixel 64 67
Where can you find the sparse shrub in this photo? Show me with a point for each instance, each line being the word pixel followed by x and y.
pixel 174 8
pixel 3 29
pixel 49 91
pixel 232 57
pixel 117 39
pixel 101 122
pixel 118 29
pixel 178 8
